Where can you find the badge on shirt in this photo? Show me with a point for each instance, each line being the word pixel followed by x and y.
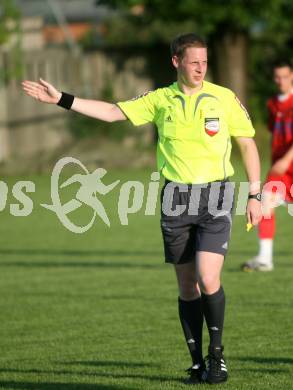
pixel 212 126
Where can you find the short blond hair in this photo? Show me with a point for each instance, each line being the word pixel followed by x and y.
pixel 182 42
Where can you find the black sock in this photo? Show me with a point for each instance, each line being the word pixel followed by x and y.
pixel 214 309
pixel 191 318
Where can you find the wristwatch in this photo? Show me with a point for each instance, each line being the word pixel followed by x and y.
pixel 255 196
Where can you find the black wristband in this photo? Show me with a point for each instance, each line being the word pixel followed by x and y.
pixel 66 100
pixel 255 196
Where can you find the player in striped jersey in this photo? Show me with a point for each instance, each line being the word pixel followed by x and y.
pixel 279 182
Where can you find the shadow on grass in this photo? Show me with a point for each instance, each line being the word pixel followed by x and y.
pixel 238 269
pixel 272 371
pixel 59 386
pixel 264 360
pixel 79 264
pixel 111 252
pixel 250 253
pixel 108 363
pixel 79 253
pixel 80 258
pixel 94 374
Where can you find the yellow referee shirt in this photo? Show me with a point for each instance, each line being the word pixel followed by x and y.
pixel 194 143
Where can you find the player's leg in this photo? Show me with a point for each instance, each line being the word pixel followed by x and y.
pixel 180 250
pixel 266 233
pixel 191 317
pixel 190 309
pixel 276 192
pixel 209 266
pixel 179 236
pixel 213 235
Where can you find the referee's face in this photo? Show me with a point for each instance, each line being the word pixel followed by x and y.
pixel 192 67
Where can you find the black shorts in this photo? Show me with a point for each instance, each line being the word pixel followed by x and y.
pixel 196 217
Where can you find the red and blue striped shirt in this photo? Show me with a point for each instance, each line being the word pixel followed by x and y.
pixel 281 125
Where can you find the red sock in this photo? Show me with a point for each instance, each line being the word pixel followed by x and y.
pixel 266 228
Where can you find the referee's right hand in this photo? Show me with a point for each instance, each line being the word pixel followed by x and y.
pixel 41 91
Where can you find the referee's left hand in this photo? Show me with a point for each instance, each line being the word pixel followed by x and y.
pixel 253 211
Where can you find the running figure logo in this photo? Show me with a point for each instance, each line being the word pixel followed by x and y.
pixel 90 185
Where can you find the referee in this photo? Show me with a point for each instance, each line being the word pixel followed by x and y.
pixel 195 120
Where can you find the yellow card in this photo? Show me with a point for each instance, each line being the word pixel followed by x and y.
pixel 249 226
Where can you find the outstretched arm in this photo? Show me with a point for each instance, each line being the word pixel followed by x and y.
pixel 251 162
pixel 47 93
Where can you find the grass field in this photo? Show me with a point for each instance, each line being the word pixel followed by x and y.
pixel 99 310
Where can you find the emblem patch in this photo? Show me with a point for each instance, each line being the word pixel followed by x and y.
pixel 211 126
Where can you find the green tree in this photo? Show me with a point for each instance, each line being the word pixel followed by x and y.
pixel 9 27
pixel 230 27
pixel 9 16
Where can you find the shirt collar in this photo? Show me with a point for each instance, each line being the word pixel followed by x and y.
pixel 177 90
